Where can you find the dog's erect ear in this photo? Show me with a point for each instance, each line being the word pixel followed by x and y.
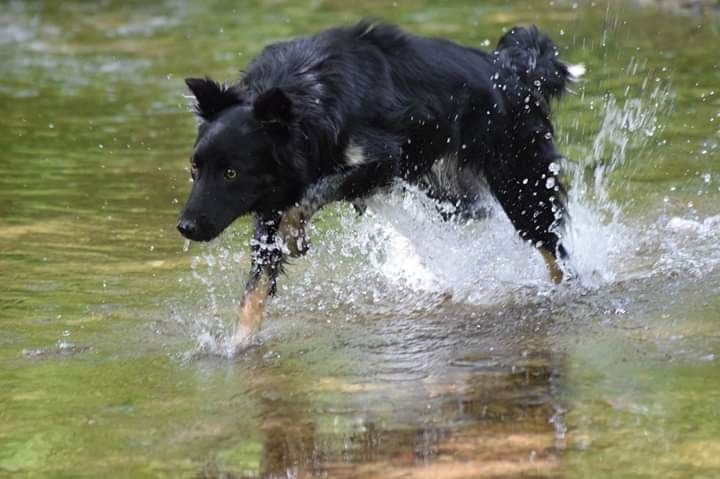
pixel 210 96
pixel 273 108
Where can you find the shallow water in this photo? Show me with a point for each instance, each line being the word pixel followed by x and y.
pixel 389 351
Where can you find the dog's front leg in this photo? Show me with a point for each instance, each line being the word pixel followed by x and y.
pixel 267 257
pixel 292 229
pixel 284 234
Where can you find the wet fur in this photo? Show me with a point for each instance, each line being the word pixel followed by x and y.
pixel 343 114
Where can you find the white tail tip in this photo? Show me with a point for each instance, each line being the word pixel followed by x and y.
pixel 576 71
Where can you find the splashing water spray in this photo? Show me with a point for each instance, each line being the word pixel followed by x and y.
pixel 597 238
pixel 400 255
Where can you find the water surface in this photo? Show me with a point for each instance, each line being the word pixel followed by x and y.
pixel 390 351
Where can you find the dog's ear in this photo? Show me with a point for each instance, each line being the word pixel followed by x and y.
pixel 273 108
pixel 210 96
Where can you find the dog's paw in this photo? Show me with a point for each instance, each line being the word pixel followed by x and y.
pixel 242 341
pixel 242 336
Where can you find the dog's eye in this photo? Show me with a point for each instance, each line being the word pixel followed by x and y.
pixel 230 174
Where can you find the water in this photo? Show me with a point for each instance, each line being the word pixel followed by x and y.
pixel 401 346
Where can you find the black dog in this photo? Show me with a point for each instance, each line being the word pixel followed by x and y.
pixel 343 114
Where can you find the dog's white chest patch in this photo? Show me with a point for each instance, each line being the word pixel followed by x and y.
pixel 354 154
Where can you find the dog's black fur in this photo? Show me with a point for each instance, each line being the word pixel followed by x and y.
pixel 344 113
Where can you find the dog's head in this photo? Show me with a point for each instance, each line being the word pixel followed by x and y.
pixel 234 164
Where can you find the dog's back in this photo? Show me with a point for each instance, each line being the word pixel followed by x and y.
pixel 375 76
pixel 457 120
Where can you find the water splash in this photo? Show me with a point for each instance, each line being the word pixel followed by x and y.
pixel 597 237
pixel 218 271
pixel 400 258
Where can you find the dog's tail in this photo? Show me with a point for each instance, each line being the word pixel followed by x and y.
pixel 533 58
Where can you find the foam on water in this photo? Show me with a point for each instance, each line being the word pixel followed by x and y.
pixel 400 256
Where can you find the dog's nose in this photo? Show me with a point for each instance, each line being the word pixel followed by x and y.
pixel 187 227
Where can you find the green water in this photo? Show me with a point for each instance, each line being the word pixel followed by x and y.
pixel 101 309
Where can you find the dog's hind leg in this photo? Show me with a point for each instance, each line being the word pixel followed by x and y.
pixel 525 181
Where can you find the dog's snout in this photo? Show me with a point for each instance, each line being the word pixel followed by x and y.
pixel 187 227
pixel 197 228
